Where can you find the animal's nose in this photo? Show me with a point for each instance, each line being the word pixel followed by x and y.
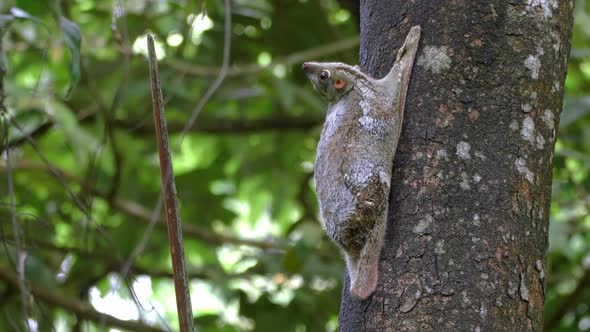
pixel 305 66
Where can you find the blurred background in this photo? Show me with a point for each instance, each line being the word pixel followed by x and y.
pixel 80 179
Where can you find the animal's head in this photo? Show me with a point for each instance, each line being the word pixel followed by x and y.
pixel 331 79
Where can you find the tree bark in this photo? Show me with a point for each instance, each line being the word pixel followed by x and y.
pixel 469 206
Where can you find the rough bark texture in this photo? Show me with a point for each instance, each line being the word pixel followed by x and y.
pixel 467 231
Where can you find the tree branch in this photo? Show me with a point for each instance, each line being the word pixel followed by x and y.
pixel 141 127
pixel 144 127
pixel 114 264
pixel 79 308
pixel 249 69
pixel 143 214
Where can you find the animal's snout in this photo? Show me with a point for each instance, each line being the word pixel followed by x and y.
pixel 305 66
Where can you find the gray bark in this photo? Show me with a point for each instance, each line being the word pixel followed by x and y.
pixel 466 243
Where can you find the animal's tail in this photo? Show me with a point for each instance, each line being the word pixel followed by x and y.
pixel 364 270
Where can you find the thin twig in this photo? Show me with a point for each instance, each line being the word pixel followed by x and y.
pixel 123 39
pixel 141 307
pixel 77 202
pixel 79 308
pixel 222 72
pixel 183 298
pixel 140 247
pixel 21 254
pixel 138 250
pixel 128 265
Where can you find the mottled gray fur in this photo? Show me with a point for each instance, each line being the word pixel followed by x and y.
pixel 355 157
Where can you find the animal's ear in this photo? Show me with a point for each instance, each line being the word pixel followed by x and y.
pixel 339 83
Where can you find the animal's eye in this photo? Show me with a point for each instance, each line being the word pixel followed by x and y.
pixel 324 74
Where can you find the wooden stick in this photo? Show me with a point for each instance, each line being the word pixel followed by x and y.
pixel 183 297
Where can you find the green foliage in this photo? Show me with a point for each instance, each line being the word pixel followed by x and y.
pixel 568 278
pixel 86 189
pixel 73 39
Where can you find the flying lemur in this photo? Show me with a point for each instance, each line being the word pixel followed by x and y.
pixel 355 156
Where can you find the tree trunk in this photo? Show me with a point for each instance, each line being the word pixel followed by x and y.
pixel 469 206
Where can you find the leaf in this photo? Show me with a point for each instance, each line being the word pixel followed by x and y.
pixel 73 39
pixel 22 14
pixel 19 13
